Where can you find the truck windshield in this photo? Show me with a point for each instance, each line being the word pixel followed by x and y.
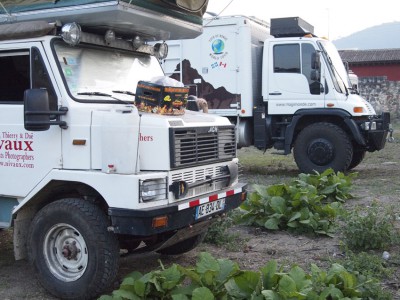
pixel 337 70
pixel 95 73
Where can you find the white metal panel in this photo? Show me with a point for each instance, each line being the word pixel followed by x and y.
pixel 25 156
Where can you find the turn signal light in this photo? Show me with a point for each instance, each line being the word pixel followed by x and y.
pixel 358 109
pixel 160 222
pixel 243 196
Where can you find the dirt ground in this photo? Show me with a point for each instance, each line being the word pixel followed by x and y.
pixel 378 180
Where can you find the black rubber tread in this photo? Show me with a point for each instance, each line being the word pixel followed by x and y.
pixel 343 147
pixel 103 247
pixel 358 157
pixel 184 246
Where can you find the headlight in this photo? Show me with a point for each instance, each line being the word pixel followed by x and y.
pixel 71 33
pixel 161 50
pixel 153 190
pixel 369 125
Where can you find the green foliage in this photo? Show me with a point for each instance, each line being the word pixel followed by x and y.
pixel 218 234
pixel 369 228
pixel 367 264
pixel 222 279
pixel 309 203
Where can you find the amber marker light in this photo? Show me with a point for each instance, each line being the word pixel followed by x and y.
pixel 358 109
pixel 160 222
pixel 330 104
pixel 243 111
pixel 243 196
pixel 79 142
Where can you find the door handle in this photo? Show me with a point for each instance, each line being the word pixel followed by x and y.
pixel 275 94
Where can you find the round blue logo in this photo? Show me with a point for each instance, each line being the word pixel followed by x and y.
pixel 218 46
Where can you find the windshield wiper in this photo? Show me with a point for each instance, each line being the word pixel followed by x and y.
pixel 125 93
pixel 103 95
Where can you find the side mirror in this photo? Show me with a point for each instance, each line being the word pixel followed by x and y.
pixel 37 113
pixel 36 109
pixel 315 61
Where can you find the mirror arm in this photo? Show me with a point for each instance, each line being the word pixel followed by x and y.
pixel 61 112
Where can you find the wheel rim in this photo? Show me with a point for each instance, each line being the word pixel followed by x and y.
pixel 321 152
pixel 65 252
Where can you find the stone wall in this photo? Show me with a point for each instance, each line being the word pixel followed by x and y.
pixel 384 95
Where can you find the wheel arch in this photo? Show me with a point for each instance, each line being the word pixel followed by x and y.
pixel 304 117
pixel 52 191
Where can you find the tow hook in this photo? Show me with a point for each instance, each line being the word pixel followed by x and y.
pixel 390 138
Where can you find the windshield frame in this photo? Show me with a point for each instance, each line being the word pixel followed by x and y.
pixel 337 70
pixel 154 64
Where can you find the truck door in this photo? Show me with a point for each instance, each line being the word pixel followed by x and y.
pixel 25 156
pixel 295 78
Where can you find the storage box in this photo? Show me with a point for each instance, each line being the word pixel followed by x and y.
pixel 151 97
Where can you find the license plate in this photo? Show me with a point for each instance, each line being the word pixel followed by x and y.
pixel 209 208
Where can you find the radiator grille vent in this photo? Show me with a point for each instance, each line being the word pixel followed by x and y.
pixel 201 145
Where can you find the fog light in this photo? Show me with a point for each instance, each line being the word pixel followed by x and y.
pixel 71 33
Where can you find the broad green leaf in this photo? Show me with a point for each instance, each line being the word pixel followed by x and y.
pixel 140 288
pixel 269 279
pixel 278 204
pixel 180 297
pixel 299 277
pixel 202 293
pixel 106 297
pixel 295 216
pixel 207 263
pixel 270 295
pixel 125 295
pixel 227 269
pixel 272 224
pixel 331 292
pixel 172 276
pixel 248 281
pixel 287 285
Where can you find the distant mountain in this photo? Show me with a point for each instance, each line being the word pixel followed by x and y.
pixel 385 36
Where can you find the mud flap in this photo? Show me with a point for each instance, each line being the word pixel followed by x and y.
pixel 185 233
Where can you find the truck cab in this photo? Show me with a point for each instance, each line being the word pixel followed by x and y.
pixel 309 104
pixel 86 170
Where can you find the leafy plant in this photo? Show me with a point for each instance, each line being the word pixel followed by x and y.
pixel 309 203
pixel 223 280
pixel 218 233
pixel 369 228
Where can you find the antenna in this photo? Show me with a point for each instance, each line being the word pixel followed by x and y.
pixel 215 16
pixel 5 9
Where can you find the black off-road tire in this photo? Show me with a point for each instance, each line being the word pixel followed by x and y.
pixel 358 157
pixel 184 246
pixel 71 250
pixel 321 146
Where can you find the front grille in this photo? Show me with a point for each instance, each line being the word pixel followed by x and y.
pixel 201 174
pixel 202 145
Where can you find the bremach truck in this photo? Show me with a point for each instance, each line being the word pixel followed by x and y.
pixel 86 171
pixel 283 87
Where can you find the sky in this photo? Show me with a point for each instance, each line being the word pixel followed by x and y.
pixel 333 19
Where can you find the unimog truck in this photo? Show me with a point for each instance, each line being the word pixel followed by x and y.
pixel 283 87
pixel 97 153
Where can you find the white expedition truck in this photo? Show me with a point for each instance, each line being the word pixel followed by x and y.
pixel 84 171
pixel 283 87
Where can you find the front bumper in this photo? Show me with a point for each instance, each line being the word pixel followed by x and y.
pixel 180 215
pixel 376 138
